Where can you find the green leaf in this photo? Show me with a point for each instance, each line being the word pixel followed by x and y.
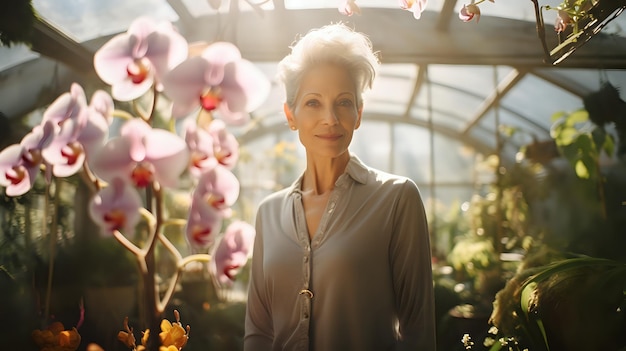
pixel 564 135
pixel 581 170
pixel 609 145
pixel 496 346
pixel 576 117
pixel 558 115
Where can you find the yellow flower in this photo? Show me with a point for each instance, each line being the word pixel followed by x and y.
pixel 69 339
pixel 55 337
pixel 126 338
pixel 172 335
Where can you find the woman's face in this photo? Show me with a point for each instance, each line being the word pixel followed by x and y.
pixel 325 111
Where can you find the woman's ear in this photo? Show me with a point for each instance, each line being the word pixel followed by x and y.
pixel 358 119
pixel 289 116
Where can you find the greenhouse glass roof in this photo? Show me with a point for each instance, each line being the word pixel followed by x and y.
pixel 444 90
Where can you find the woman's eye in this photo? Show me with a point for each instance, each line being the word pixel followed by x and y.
pixel 346 103
pixel 312 103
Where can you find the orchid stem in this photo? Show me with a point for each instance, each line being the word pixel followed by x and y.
pixel 122 114
pixel 132 248
pixel 182 262
pixel 168 245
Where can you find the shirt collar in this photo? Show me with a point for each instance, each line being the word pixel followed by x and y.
pixel 355 169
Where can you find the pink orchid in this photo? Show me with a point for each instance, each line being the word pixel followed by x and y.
pixel 203 224
pixel 226 146
pixel 20 163
pixel 70 105
pixel 116 207
pixel 142 155
pixel 100 117
pixel 415 6
pixel 563 19
pixel 233 250
pixel 201 149
pixel 68 113
pixel 468 12
pixel 218 80
pixel 349 7
pixel 132 62
pixel 219 188
pixel 78 127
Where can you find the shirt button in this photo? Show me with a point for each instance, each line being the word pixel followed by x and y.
pixel 306 292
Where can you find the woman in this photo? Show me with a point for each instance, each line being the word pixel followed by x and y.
pixel 341 260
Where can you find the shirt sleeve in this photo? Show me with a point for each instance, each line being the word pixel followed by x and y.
pixel 411 266
pixel 258 323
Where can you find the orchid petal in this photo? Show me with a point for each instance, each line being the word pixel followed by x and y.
pixel 219 187
pixel 349 7
pixel 233 250
pixel 168 154
pixel 203 224
pixel 200 144
pixel 40 136
pixel 185 84
pixel 113 160
pixel 226 146
pixel 116 207
pixel 68 106
pixel 136 131
pixel 245 86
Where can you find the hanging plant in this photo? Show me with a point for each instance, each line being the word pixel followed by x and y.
pixel 16 22
pixel 576 23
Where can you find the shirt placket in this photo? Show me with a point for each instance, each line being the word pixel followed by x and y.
pixel 305 295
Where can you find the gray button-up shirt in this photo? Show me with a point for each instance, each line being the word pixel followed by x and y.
pixel 364 282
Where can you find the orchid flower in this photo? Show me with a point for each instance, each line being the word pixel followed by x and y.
pixel 69 115
pixel 132 62
pixel 226 146
pixel 349 7
pixel 415 6
pixel 219 188
pixel 116 207
pixel 563 19
pixel 201 149
pixel 233 250
pixel 78 127
pixel 20 163
pixel 142 155
pixel 219 81
pixel 203 224
pixel 99 119
pixel 468 12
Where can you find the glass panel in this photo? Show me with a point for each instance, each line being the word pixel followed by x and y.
pixel 454 163
pixel 454 103
pixel 539 100
pixel 476 80
pixel 411 152
pixel 372 144
pixel 85 20
pixel 392 89
pixel 14 55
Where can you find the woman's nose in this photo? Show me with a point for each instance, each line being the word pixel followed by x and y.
pixel 330 116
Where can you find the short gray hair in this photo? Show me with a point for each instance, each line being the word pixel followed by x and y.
pixel 334 43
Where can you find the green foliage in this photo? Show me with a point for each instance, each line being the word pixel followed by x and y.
pixel 581 142
pixel 16 22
